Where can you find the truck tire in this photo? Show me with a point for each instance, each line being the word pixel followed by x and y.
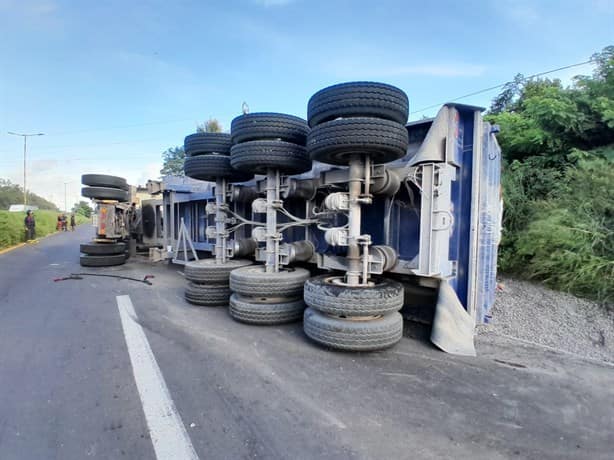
pixel 204 143
pixel 358 99
pixel 384 297
pixel 102 249
pixel 253 281
pixel 262 126
pixel 209 272
pixel 207 296
pixel 343 334
pixel 244 310
pixel 102 180
pixel 148 220
pixel 105 193
pixel 258 156
pixel 335 142
pixel 210 167
pixel 87 260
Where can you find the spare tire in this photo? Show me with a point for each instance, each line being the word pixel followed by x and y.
pixel 102 180
pixel 87 260
pixel 262 126
pixel 336 142
pixel 105 193
pixel 102 248
pixel 358 99
pixel 258 156
pixel 204 143
pixel 211 167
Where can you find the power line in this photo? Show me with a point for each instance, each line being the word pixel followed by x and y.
pixel 134 125
pixel 485 90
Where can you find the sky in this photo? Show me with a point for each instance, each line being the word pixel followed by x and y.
pixel 113 84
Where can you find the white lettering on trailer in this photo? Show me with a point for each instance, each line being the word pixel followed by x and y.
pixel 168 434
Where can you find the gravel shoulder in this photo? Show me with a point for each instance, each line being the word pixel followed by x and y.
pixel 535 314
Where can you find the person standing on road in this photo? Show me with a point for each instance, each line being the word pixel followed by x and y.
pixel 72 222
pixel 30 224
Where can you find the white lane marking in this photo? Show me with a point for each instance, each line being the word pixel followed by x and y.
pixel 168 434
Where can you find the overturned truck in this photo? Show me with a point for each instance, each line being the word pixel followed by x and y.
pixel 351 217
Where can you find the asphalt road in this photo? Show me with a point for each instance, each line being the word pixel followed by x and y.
pixel 68 388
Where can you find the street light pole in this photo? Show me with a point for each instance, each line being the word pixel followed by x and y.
pixel 25 137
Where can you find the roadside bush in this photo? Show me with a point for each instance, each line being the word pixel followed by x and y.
pixel 566 237
pixel 12 229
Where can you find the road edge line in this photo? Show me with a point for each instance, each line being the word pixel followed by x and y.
pixel 167 432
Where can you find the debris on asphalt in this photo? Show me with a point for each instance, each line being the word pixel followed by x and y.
pixel 79 276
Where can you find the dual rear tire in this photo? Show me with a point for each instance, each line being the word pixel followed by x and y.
pixel 102 254
pixel 358 119
pixel 208 281
pixel 353 318
pixel 104 187
pixel 267 298
pixel 265 141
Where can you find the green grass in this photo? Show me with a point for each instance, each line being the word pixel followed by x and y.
pixel 12 230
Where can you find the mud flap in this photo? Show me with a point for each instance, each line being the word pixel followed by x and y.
pixel 452 326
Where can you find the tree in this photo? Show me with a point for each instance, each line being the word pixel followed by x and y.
pixel 558 148
pixel 210 126
pixel 504 101
pixel 13 194
pixel 83 208
pixel 173 159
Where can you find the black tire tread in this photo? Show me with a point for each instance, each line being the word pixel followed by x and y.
pixel 385 297
pixel 207 295
pixel 94 249
pixel 245 311
pixel 86 260
pixel 257 156
pixel 334 142
pixel 265 125
pixel 205 143
pixel 210 167
pixel 343 334
pixel 358 99
pixel 104 180
pixel 207 271
pixel 105 193
pixel 253 281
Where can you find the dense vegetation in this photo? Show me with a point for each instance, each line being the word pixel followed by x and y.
pixel 13 194
pixel 558 180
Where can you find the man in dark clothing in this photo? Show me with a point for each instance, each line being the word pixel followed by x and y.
pixel 30 225
pixel 72 222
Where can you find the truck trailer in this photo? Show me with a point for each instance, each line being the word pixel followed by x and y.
pixel 371 214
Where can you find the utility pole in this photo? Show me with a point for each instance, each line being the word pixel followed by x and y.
pixel 65 183
pixel 25 137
